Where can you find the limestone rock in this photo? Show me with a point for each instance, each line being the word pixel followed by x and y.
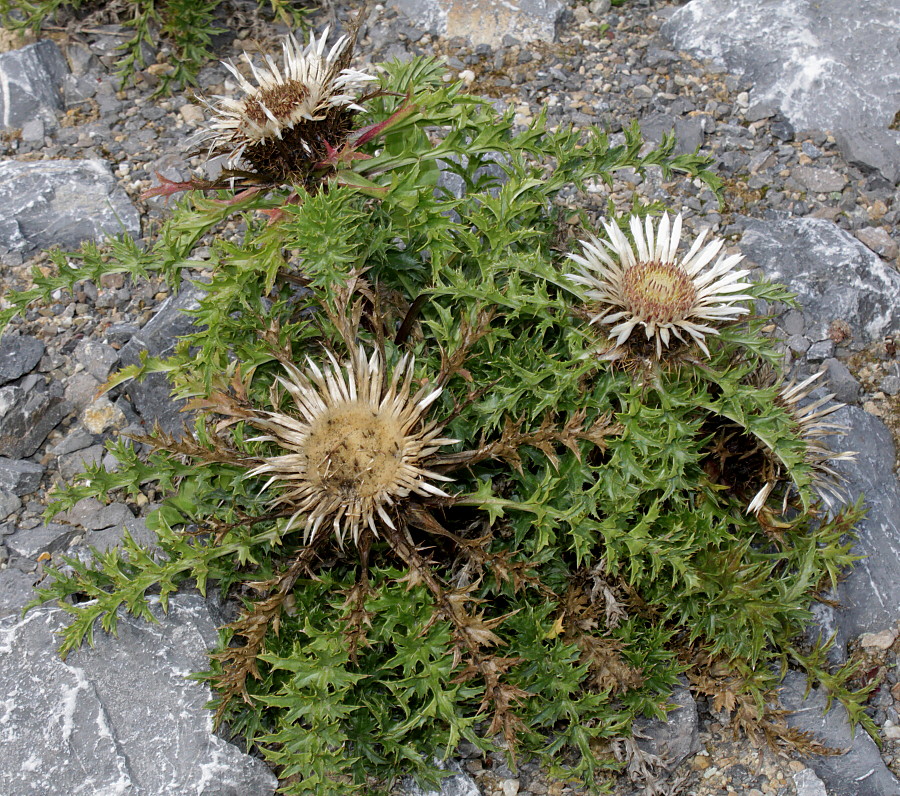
pixel 826 64
pixel 61 203
pixel 870 593
pixel 20 476
pixel 835 277
pixel 119 718
pixel 872 150
pixel 19 354
pixel 28 413
pixel 457 784
pixel 49 538
pixel 31 78
pixel 16 589
pixel 152 395
pixel 858 772
pixel 676 738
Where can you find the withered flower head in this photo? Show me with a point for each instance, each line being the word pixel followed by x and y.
pixel 812 427
pixel 292 112
pixel 358 444
pixel 645 284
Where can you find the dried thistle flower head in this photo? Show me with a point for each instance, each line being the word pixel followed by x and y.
pixel 812 427
pixel 645 284
pixel 284 122
pixel 358 444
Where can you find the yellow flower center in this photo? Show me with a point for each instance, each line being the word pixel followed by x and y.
pixel 281 100
pixel 658 292
pixel 354 451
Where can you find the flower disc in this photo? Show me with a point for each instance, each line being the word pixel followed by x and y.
pixel 357 445
pixel 644 284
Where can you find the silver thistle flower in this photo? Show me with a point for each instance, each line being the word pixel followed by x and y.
pixel 812 427
pixel 644 284
pixel 309 87
pixel 358 444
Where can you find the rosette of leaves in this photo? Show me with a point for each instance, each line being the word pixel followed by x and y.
pixel 592 543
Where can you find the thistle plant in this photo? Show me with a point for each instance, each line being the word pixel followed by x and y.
pixel 290 120
pixel 441 509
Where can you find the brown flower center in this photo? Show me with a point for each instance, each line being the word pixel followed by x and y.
pixel 354 451
pixel 658 292
pixel 280 100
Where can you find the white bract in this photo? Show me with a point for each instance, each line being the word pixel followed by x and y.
pixel 308 85
pixel 356 445
pixel 645 284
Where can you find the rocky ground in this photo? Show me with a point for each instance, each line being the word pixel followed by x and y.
pixel 806 198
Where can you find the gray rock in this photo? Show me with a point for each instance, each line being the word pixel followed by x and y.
pixel 872 150
pixel 797 343
pixel 49 538
pixel 819 351
pixel 16 589
pixel 858 772
pixel 9 503
pixel 841 381
pixel 835 277
pixel 31 78
pixel 18 355
pixel 676 738
pixel 28 413
pixel 793 322
pixel 878 240
pixel 115 515
pixel 81 511
pixel 98 358
pixel 688 130
pixel 151 397
pixel 118 718
pixel 819 180
pixel 827 65
pixel 76 440
pixel 33 131
pixel 71 464
pixel 20 476
pixel 61 203
pixel 485 21
pixel 869 595
pixel 808 784
pixel 112 537
pixel 458 784
pixel 81 59
pixel 81 389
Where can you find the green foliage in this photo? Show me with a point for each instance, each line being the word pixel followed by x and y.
pixel 187 25
pixel 596 545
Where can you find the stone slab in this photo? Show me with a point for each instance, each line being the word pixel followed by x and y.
pixel 869 595
pixel 30 83
pixel 28 413
pixel 19 354
pixel 117 719
pixel 826 64
pixel 860 771
pixel 835 277
pixel 61 203
pixel 20 476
